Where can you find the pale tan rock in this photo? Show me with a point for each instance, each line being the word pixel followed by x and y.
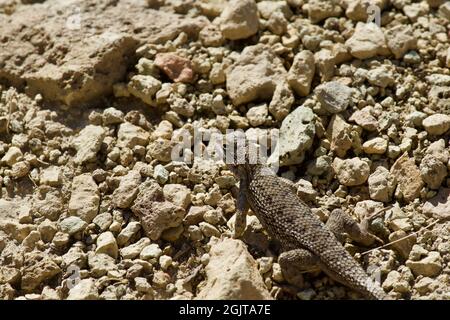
pixel 211 36
pixel 134 250
pixel 381 184
pixel 100 264
pixel 85 199
pixel 444 10
pixel 80 57
pixel 404 246
pixel 429 266
pixel 257 115
pixel 409 180
pixel 339 133
pixel 127 191
pixel 51 176
pixel 157 216
pixel 400 39
pixel 178 194
pixel 277 23
pixel 381 76
pixel 351 172
pixel 12 156
pixel 368 41
pixel 365 118
pixel 266 8
pixel 232 273
pixel 239 20
pixel 301 73
pixel 20 169
pixel 319 10
pixel 282 100
pixel 9 275
pixel 254 75
pixel 211 8
pixel 438 206
pixel 437 124
pixel 376 145
pixel 38 269
pixel 130 135
pixel 128 233
pixel 88 143
pixel 357 10
pixel 144 87
pixel 328 58
pixel 106 243
pixel 84 290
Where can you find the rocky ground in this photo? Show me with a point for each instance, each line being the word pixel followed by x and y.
pixel 95 96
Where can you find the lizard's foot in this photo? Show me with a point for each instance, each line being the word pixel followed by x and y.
pixel 240 225
pixel 340 223
pixel 295 262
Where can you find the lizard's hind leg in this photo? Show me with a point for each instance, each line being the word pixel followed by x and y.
pixel 340 223
pixel 295 262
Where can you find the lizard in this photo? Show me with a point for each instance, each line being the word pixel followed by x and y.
pixel 306 242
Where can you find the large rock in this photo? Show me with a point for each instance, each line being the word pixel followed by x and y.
pixel 239 20
pixel 156 215
pixel 351 172
pixel 302 72
pixel 74 51
pixel 144 87
pixel 400 39
pixel 130 136
pixel 127 191
pixel 232 274
pixel 437 124
pixel 85 198
pixel 334 96
pixel 409 180
pixel 438 206
pixel 88 143
pixel 381 185
pixel 368 41
pixel 11 209
pixel 254 75
pixel 84 290
pixel 339 132
pixel 319 10
pixel 429 266
pixel 106 243
pixel 282 101
pixel 296 136
pixel 38 269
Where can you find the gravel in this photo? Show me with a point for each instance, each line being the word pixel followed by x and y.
pixel 96 203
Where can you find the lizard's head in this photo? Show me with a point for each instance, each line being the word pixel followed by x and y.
pixel 242 155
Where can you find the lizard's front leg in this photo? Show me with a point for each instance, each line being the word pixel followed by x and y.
pixel 241 209
pixel 294 262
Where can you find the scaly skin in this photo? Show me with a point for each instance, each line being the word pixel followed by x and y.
pixel 289 220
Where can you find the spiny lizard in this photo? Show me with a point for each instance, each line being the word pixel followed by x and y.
pixel 306 242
